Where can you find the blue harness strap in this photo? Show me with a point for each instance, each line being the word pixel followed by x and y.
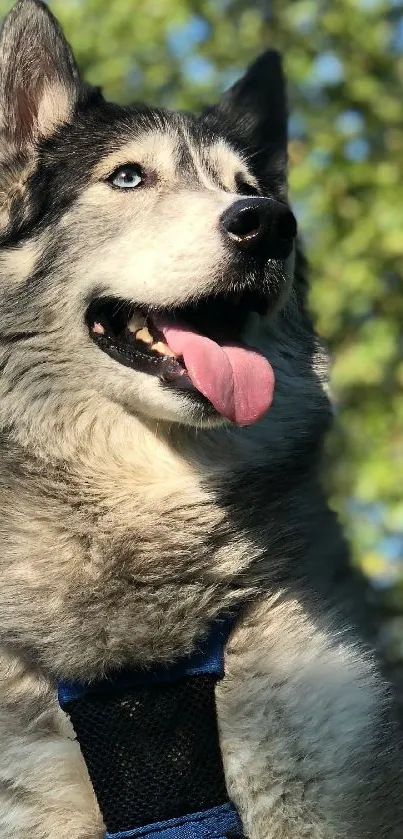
pixel 208 658
pixel 151 744
pixel 217 823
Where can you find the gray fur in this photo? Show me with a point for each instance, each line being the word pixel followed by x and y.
pixel 128 522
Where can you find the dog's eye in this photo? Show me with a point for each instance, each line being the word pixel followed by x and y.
pixel 126 177
pixel 245 188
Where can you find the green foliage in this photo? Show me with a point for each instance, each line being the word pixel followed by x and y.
pixel 345 68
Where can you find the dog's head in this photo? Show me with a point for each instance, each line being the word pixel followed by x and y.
pixel 148 256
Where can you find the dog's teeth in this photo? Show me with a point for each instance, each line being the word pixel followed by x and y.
pixel 163 349
pixel 136 322
pixel 98 329
pixel 144 336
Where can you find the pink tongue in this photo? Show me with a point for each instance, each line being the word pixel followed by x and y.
pixel 239 382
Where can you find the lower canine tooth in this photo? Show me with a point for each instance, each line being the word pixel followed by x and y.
pixel 98 329
pixel 162 349
pixel 144 336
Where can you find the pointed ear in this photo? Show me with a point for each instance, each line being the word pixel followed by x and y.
pixel 256 109
pixel 39 79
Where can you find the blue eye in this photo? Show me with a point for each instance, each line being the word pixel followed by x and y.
pixel 126 177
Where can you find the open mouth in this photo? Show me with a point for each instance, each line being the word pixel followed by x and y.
pixel 195 348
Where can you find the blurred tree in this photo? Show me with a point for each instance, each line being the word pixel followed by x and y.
pixel 344 59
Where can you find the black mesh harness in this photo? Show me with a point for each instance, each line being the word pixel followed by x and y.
pixel 150 741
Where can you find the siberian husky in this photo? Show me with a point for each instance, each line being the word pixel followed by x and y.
pixel 163 404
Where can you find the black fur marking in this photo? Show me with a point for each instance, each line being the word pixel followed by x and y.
pixel 15 337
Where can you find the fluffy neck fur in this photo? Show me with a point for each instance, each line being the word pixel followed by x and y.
pixel 150 533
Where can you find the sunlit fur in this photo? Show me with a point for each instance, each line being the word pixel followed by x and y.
pixel 129 519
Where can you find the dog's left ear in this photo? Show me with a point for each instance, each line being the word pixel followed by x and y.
pixel 39 79
pixel 255 109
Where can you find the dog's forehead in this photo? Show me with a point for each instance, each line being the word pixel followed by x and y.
pixel 154 148
pixel 177 152
pixel 216 159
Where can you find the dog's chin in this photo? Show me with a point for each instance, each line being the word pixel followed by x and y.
pixel 146 398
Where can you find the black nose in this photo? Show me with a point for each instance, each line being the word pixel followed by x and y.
pixel 264 227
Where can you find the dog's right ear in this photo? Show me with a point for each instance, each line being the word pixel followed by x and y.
pixel 39 79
